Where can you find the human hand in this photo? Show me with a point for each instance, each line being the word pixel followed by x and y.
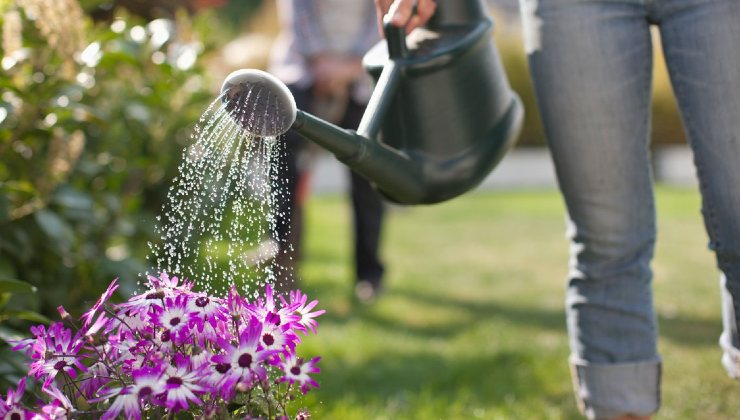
pixel 334 74
pixel 401 13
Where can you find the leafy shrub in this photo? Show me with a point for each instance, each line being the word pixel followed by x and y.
pixel 93 118
pixel 89 144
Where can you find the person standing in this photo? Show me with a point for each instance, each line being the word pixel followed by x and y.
pixel 319 56
pixel 591 64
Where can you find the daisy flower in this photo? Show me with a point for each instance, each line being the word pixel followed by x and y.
pixel 166 351
pixel 299 306
pixel 159 288
pixel 175 317
pixel 142 305
pixel 96 378
pixel 297 371
pixel 235 303
pixel 266 311
pixel 17 413
pixel 11 408
pixel 55 352
pixel 218 377
pixel 148 383
pixel 207 307
pixel 87 317
pixel 60 406
pixel 278 337
pixel 170 284
pixel 245 359
pixel 181 386
pixel 210 313
pixel 199 357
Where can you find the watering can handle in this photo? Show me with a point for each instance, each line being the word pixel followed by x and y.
pixel 395 38
pixel 387 83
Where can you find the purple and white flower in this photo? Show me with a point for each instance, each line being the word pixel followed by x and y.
pixel 297 371
pixel 87 317
pixel 12 408
pixel 168 350
pixel 245 358
pixel 181 385
pixel 148 383
pixel 175 318
pixel 55 352
pixel 298 305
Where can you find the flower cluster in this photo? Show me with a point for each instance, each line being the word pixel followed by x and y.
pixel 170 350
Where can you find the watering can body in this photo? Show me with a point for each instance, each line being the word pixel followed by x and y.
pixel 453 112
pixel 442 114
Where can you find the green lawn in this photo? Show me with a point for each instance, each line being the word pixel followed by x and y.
pixel 471 324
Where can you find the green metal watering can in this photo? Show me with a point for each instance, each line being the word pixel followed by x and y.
pixel 441 116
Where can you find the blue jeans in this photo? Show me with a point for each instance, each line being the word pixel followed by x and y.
pixel 591 64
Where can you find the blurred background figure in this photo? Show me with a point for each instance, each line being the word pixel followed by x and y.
pixel 319 56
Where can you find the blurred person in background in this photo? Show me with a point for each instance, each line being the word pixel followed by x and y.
pixel 591 65
pixel 319 56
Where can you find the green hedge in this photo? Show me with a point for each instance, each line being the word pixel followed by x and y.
pixel 94 119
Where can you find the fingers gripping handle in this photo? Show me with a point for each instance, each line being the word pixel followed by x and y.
pixel 395 38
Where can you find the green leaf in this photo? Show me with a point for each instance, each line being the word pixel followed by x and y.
pixel 8 334
pixel 73 199
pixel 28 316
pixel 55 228
pixel 24 187
pixel 18 243
pixel 7 270
pixel 16 286
pixel 4 207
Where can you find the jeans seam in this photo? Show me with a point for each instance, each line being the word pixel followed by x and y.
pixel 646 112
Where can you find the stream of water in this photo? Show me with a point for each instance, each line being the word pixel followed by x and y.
pixel 221 210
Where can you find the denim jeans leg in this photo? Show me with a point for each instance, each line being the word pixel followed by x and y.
pixel 700 41
pixel 591 65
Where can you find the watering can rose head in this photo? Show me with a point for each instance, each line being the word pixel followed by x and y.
pixel 259 102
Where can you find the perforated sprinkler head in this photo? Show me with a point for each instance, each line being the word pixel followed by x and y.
pixel 259 102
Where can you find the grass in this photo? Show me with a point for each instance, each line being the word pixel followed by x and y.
pixel 471 324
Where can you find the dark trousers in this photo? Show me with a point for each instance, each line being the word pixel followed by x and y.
pixel 367 205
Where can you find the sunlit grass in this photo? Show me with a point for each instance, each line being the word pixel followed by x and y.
pixel 471 324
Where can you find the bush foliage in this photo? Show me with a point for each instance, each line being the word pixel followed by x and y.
pixel 93 119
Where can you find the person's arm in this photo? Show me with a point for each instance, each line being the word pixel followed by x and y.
pixel 303 19
pixel 306 26
pixel 368 34
pixel 401 12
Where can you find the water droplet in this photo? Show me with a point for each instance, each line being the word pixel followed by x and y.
pixel 222 205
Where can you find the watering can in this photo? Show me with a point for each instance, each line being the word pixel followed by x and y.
pixel 441 116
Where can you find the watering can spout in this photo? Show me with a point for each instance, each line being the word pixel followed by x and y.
pixel 247 90
pixel 393 173
pixel 441 116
